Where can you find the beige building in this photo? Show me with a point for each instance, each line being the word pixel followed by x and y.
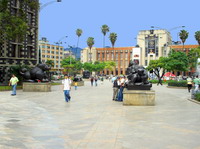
pixel 88 55
pixel 153 44
pixel 51 52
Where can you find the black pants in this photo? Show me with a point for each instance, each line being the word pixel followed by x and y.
pixel 189 87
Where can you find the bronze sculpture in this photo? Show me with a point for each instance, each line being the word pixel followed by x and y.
pixel 138 77
pixel 36 74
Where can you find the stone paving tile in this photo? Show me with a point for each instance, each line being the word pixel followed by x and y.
pixel 91 120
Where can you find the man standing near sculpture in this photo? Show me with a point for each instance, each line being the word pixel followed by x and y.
pixel 66 87
pixel 13 82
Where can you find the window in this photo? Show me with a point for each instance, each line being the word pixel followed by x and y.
pixel 30 38
pixel 43 55
pixel 29 51
pixel 13 53
pixel 29 18
pixel 52 52
pixel 52 47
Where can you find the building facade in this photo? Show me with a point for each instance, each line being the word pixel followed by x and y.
pixel 120 55
pixel 17 51
pixel 51 52
pixel 153 44
pixel 88 55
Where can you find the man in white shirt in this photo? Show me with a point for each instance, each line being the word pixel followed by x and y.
pixel 66 87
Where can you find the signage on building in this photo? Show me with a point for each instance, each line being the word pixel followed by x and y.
pixel 136 55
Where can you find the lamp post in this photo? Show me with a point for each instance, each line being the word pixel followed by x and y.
pixel 39 10
pixel 58 43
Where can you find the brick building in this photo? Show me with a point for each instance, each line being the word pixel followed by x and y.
pixel 121 55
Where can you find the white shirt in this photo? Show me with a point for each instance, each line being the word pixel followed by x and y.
pixel 67 84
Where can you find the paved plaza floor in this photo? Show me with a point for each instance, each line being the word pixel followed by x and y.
pixel 91 120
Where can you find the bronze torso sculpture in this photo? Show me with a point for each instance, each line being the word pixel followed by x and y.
pixel 138 77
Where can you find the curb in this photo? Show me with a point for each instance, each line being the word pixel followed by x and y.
pixel 195 101
pixel 176 87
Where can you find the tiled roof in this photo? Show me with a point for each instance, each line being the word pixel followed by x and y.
pixel 185 46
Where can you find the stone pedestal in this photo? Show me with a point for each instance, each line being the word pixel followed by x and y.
pixel 139 97
pixel 81 83
pixel 36 87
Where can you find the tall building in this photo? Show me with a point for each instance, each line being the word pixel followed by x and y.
pixel 153 44
pixel 51 52
pixel 19 51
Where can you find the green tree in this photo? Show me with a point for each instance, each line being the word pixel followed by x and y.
pixel 88 66
pixel 193 55
pixel 183 36
pixel 197 36
pixel 178 61
pixel 159 67
pixel 98 66
pixel 78 33
pixel 50 63
pixel 113 38
pixel 70 65
pixel 110 65
pixel 90 43
pixel 104 30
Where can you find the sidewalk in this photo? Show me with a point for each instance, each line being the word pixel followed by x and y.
pixel 91 120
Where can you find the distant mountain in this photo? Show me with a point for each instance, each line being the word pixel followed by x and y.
pixel 75 51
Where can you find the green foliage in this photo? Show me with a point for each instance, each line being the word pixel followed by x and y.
pixel 96 66
pixel 153 81
pixel 71 65
pixel 90 42
pixel 7 88
pixel 197 36
pixel 88 66
pixel 178 61
pixel 159 65
pixel 182 83
pixel 50 63
pixel 193 55
pixel 105 29
pixel 197 96
pixel 110 65
pixel 183 35
pixel 113 38
pixel 79 32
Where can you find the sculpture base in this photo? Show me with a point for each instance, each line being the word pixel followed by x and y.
pixel 36 87
pixel 139 87
pixel 139 97
pixel 81 83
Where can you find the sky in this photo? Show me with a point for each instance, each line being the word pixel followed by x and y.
pixel 124 17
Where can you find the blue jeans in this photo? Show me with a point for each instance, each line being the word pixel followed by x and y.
pixel 14 89
pixel 75 87
pixel 120 94
pixel 67 96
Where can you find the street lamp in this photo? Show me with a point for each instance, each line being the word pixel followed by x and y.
pixel 48 3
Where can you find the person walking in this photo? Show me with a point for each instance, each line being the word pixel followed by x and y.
pixel 95 79
pixel 196 83
pixel 13 82
pixel 116 85
pixel 92 80
pixel 75 83
pixel 66 88
pixel 189 83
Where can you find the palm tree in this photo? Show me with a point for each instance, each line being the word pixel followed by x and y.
pixel 113 38
pixel 197 36
pixel 78 33
pixel 183 36
pixel 104 30
pixel 90 43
